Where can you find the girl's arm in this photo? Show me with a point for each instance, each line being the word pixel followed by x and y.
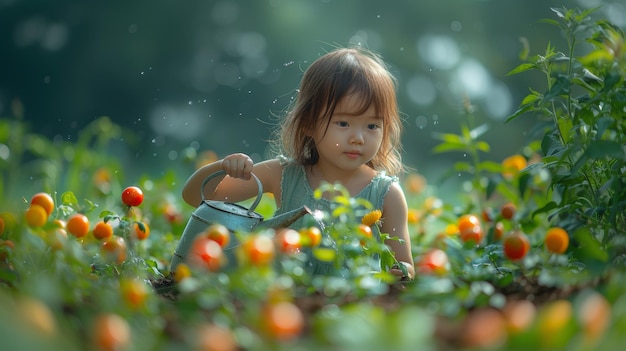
pixel 395 213
pixel 238 185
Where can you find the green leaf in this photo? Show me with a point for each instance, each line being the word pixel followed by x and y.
pixel 340 210
pixel 522 68
pixel 589 246
pixel 483 146
pixel 448 137
pixel 68 198
pixel 490 166
pixel 546 208
pixel 532 97
pixel 604 148
pixel 463 167
pixel 447 147
pixel 518 113
pixel 565 127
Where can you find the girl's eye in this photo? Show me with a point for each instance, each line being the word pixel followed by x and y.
pixel 373 126
pixel 342 124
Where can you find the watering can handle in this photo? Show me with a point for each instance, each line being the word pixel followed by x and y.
pixel 218 173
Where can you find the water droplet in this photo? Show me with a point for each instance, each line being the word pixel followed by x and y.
pixel 377 16
pixel 190 102
pixel 154 141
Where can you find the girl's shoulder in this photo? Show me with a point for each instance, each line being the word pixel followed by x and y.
pixel 382 178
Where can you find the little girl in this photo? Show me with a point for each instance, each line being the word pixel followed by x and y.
pixel 343 128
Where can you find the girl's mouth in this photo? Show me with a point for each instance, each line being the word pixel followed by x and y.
pixel 353 154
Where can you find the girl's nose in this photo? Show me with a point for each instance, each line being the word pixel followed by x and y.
pixel 356 137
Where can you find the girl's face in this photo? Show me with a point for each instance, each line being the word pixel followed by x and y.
pixel 351 139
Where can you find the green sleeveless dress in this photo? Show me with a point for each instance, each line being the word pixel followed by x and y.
pixel 296 192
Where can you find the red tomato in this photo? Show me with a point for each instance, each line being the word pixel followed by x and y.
pixel 206 253
pixel 434 261
pixel 515 245
pixel 132 196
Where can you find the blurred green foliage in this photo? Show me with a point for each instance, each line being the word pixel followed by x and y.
pixel 176 73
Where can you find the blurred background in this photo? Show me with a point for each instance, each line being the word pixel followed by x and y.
pixel 215 75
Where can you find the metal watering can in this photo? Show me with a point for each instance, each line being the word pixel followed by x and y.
pixel 232 216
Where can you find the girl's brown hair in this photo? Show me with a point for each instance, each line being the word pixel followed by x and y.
pixel 325 83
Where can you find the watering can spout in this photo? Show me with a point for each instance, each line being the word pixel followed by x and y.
pixel 284 220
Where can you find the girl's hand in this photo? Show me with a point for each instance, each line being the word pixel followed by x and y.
pixel 238 166
pixel 397 271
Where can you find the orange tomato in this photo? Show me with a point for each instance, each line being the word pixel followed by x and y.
pixel 141 230
pixel 556 240
pixel 311 236
pixel 415 183
pixel 114 249
pixel 44 200
pixel 1 225
pixel 213 337
pixel 288 240
pixel 508 210
pixel 36 315
pixel 516 245
pixel 470 228
pixel 511 166
pixel 78 225
pixel 483 328
pixel 283 320
pixel 259 249
pixel 218 233
pixel 36 216
pixel 552 323
pixel 594 315
pixel 110 332
pixel 134 292
pixel 519 315
pixel 102 230
pixel 365 232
